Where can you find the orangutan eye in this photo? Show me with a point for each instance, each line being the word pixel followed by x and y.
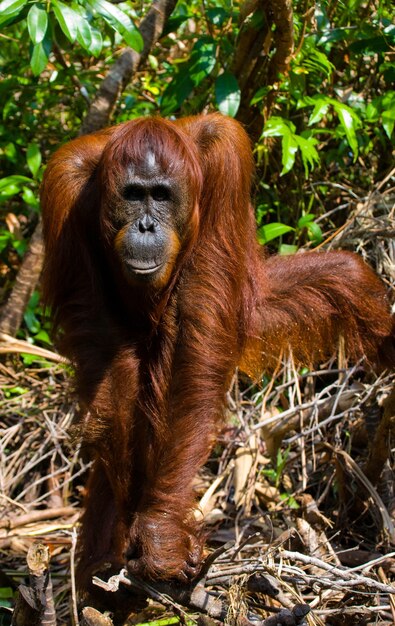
pixel 134 193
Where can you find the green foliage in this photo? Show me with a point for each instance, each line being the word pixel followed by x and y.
pixel 189 75
pixel 291 143
pixel 37 326
pixel 275 475
pixel 271 231
pixel 79 21
pixel 333 117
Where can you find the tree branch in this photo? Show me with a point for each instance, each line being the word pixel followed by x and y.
pixel 127 64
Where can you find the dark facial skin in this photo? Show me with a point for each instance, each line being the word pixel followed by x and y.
pixel 151 218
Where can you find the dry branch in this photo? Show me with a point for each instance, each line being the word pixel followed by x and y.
pixel 8 345
pixel 25 283
pixel 36 516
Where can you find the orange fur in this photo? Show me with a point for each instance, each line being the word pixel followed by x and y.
pixel 153 365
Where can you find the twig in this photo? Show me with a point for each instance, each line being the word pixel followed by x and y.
pixel 344 575
pixel 8 344
pixel 37 516
pixel 72 577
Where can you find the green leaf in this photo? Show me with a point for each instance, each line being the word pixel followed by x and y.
pixel 290 143
pixel 121 22
pixel 37 22
pixel 31 321
pixel 316 62
pixel 272 231
pixel 388 112
pixel 202 60
pixel 42 335
pixel 319 111
pixel 84 34
pixel 314 232
pixel 5 239
pixel 68 19
pixel 289 149
pixel 191 73
pixel 260 95
pixel 227 94
pixel 9 392
pixel 217 16
pixel 8 192
pixel 174 22
pixel 6 592
pixel 14 180
pixel 33 158
pixel 305 219
pixel 97 42
pixel 388 121
pixel 29 197
pixel 309 154
pixel 277 127
pixel 349 122
pixel 285 249
pixel 39 58
pixel 9 7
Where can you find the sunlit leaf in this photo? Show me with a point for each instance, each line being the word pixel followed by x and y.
pixel 39 58
pixel 68 19
pixel 309 154
pixel 14 180
pixel 289 149
pixel 268 232
pixel 305 219
pixel 277 126
pixel 388 114
pixel 121 22
pixel 319 111
pixel 84 34
pixel 8 7
pixel 37 22
pixel 202 61
pixel 388 121
pixel 29 197
pixel 97 42
pixel 314 232
pixel 349 123
pixel 260 95
pixel 227 94
pixel 33 158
